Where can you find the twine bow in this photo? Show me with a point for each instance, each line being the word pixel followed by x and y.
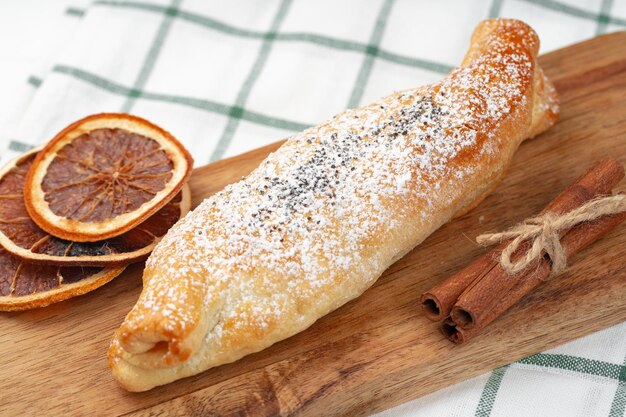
pixel 544 231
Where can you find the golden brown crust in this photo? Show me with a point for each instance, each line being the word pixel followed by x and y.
pixel 321 218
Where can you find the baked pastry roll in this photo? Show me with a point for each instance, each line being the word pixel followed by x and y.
pixel 322 217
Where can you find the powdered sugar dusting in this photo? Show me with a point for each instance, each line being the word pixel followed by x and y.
pixel 311 215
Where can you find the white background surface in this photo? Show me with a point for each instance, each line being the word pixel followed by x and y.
pixel 31 34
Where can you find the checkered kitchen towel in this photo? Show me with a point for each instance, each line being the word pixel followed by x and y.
pixel 225 77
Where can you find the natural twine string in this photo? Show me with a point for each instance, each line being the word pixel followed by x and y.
pixel 544 232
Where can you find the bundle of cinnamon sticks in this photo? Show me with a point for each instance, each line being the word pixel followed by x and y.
pixel 476 295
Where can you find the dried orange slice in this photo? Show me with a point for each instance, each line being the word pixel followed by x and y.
pixel 24 286
pixel 20 236
pixel 104 175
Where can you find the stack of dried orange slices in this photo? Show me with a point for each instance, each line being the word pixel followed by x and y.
pixel 76 212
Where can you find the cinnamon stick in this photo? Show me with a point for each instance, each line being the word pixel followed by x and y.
pixel 482 282
pixel 476 302
pixel 438 302
pixel 577 239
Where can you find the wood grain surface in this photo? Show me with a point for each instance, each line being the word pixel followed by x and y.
pixel 378 350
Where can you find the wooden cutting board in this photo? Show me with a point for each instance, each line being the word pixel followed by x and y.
pixel 378 350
